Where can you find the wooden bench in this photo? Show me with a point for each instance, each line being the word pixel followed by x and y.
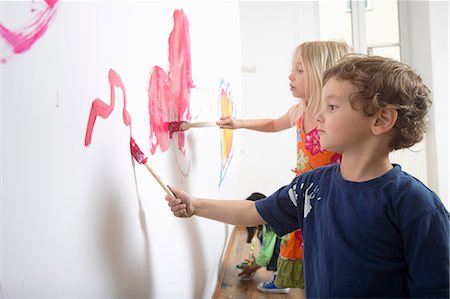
pixel 229 284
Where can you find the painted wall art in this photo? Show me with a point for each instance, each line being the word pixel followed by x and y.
pixel 227 108
pixel 169 101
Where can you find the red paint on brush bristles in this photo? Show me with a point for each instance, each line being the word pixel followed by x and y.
pixel 175 126
pixel 140 157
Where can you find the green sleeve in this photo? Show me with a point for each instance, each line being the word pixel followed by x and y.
pixel 269 238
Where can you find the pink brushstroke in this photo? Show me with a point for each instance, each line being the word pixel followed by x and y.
pixel 169 95
pixel 159 96
pixel 51 3
pixel 180 74
pixel 21 40
pixel 100 108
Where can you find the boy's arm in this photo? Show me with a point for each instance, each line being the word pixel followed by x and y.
pixel 237 212
pixel 427 253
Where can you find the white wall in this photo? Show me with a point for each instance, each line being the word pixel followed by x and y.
pixel 426 36
pixel 438 16
pixel 81 222
pixel 270 31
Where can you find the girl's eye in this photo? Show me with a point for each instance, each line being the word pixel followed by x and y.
pixel 332 107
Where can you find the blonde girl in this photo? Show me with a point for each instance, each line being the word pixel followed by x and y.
pixel 309 62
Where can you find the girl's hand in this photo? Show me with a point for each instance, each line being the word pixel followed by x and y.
pixel 182 205
pixel 228 122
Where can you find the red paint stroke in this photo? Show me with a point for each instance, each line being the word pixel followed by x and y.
pixel 21 40
pixel 100 108
pixel 169 95
pixel 226 105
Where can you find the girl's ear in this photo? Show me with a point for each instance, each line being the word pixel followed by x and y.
pixel 384 120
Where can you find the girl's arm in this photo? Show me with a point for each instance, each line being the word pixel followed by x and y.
pixel 262 125
pixel 237 212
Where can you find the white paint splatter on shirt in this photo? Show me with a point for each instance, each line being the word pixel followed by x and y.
pixel 293 194
pixel 309 194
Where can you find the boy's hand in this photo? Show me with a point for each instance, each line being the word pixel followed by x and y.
pixel 228 122
pixel 182 205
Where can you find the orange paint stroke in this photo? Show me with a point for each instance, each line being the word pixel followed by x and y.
pixel 227 108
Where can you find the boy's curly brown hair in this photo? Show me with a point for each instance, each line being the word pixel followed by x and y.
pixel 380 82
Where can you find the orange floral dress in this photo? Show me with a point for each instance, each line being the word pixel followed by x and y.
pixel 310 155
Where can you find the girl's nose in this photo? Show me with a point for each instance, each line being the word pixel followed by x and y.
pixel 291 77
pixel 319 117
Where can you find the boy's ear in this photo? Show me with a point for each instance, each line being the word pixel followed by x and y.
pixel 384 120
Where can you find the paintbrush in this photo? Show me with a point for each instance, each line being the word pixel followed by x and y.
pixel 177 126
pixel 141 158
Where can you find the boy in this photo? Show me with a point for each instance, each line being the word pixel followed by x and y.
pixel 369 229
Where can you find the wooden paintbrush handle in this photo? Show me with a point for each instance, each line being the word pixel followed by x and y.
pixel 168 191
pixel 202 124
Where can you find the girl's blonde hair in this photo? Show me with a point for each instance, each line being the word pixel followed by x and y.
pixel 317 56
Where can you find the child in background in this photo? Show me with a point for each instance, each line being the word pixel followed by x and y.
pixel 370 230
pixel 309 62
pixel 251 231
pixel 268 253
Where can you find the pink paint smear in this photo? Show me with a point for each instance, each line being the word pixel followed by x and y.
pixel 100 108
pixel 21 40
pixel 168 95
